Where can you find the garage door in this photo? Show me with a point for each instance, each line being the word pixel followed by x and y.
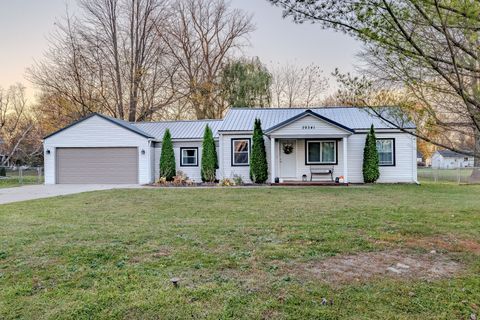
pixel 97 165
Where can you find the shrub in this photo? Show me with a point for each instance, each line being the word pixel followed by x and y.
pixel 371 173
pixel 258 161
pixel 226 182
pixel 209 157
pixel 238 179
pixel 167 157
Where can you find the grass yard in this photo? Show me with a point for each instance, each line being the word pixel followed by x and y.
pixel 253 253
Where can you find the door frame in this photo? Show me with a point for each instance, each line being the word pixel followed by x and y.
pixel 280 153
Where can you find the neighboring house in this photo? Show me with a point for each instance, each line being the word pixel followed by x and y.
pixel 446 159
pixel 419 158
pixel 100 149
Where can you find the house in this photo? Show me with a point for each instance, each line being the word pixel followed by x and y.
pixel 447 159
pixel 101 149
pixel 420 158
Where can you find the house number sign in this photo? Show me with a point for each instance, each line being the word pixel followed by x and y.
pixel 308 127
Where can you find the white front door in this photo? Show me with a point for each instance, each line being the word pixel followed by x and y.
pixel 288 158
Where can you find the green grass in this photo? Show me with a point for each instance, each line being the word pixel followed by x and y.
pixel 14 181
pixel 111 254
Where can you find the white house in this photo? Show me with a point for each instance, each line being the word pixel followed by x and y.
pixel 446 159
pixel 312 144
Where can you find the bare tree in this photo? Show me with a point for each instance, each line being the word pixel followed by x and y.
pixel 110 58
pixel 17 127
pixel 297 86
pixel 201 35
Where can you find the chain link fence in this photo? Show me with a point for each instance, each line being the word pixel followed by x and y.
pixel 470 175
pixel 22 175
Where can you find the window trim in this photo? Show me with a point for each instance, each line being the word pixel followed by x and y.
pixel 232 152
pixel 196 157
pixel 394 162
pixel 308 163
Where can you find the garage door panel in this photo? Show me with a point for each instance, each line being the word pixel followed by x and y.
pixel 97 165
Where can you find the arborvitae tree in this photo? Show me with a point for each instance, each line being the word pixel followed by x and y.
pixel 209 156
pixel 258 161
pixel 371 173
pixel 167 157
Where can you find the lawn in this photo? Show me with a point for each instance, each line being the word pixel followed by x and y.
pixel 253 253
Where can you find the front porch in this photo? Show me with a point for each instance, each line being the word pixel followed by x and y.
pixel 313 160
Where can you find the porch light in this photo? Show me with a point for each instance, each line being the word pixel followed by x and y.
pixel 48 151
pixel 304 178
pixel 143 151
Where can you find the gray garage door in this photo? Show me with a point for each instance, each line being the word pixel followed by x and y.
pixel 97 165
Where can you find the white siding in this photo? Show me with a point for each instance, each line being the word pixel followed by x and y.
pixel 98 132
pixel 309 126
pixel 226 168
pixel 193 173
pixel 405 159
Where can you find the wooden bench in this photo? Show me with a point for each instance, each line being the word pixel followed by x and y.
pixel 321 171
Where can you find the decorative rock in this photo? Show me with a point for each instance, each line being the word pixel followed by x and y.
pixel 395 270
pixel 433 251
pixel 403 266
pixel 473 316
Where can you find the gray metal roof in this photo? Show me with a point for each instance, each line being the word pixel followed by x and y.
pixel 242 119
pixel 452 154
pixel 179 129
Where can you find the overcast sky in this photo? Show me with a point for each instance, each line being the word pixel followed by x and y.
pixel 25 25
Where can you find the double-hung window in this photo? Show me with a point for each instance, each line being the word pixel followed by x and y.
pixel 188 157
pixel 386 152
pixel 240 152
pixel 321 152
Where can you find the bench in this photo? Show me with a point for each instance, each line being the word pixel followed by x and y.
pixel 321 171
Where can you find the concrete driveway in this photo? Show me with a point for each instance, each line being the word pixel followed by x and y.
pixel 8 195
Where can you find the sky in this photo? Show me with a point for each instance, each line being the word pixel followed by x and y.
pixel 26 24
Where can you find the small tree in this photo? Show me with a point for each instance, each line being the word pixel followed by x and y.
pixel 167 157
pixel 258 161
pixel 371 172
pixel 209 156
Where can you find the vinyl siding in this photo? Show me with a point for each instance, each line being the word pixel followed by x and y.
pixel 97 132
pixel 309 126
pixel 193 173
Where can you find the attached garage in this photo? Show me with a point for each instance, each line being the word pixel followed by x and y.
pixel 97 165
pixel 99 150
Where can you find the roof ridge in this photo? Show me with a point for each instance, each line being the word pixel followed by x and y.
pixel 170 121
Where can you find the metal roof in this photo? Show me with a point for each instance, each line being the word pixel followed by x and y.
pixel 452 154
pixel 179 129
pixel 242 119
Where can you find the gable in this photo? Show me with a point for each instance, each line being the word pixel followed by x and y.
pixel 309 125
pixel 94 129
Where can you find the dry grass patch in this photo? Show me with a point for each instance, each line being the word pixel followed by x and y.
pixel 367 266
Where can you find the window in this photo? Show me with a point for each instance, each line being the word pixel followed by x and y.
pixel 321 152
pixel 188 157
pixel 240 152
pixel 386 152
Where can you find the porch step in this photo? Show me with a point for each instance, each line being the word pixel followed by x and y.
pixel 310 183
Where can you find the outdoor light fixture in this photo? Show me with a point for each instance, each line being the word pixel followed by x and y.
pixel 48 151
pixel 304 178
pixel 143 151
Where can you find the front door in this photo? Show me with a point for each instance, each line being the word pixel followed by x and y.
pixel 288 158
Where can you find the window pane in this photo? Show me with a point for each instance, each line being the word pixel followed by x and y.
pixel 385 151
pixel 385 158
pixel 328 151
pixel 241 158
pixel 189 156
pixel 241 145
pixel 189 160
pixel 384 145
pixel 313 151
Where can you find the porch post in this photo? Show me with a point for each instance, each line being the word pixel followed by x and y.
pixel 345 159
pixel 272 159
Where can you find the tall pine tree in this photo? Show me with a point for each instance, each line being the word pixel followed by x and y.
pixel 167 157
pixel 371 173
pixel 258 161
pixel 209 156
